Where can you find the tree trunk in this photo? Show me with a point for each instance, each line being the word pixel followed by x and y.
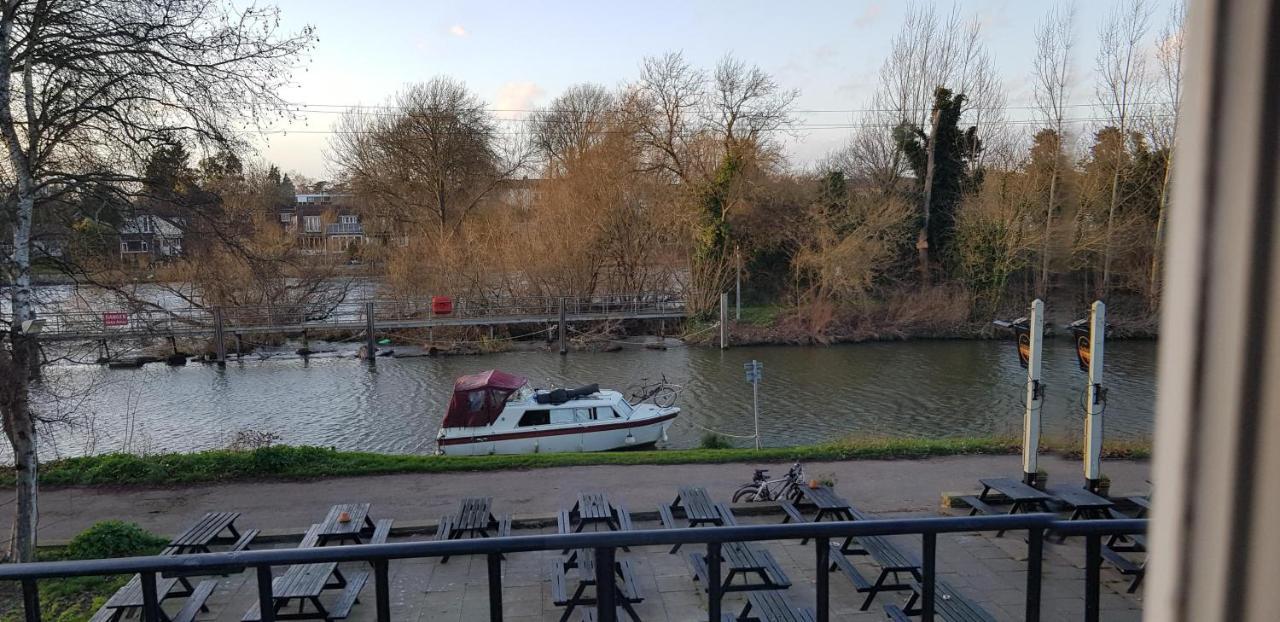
pixel 19 427
pixel 922 240
pixel 1157 251
pixel 1105 282
pixel 1042 288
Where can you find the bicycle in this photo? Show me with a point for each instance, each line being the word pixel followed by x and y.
pixel 663 393
pixel 762 488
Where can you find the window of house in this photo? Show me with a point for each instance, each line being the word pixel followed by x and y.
pixel 286 218
pixel 134 246
pixel 534 417
pixel 311 223
pixel 347 219
pixel 145 224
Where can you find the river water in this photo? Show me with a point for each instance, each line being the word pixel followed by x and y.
pixel 926 389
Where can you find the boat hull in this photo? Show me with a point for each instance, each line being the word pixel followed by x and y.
pixel 625 434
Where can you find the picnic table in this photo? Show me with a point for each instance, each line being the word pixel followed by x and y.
pixel 830 506
pixel 1023 498
pixel 744 560
pixel 626 592
pixel 208 531
pixel 129 599
pixel 334 529
pixel 1084 504
pixel 475 519
pixel 303 584
pixel 694 505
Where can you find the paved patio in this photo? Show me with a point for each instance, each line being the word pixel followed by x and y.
pixel 986 569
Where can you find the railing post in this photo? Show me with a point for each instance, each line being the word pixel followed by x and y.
pixel 1092 568
pixel 606 590
pixel 150 603
pixel 1035 556
pixel 724 321
pixel 495 587
pixel 927 584
pixel 31 600
pixel 823 555
pixel 382 590
pixel 714 594
pixel 266 600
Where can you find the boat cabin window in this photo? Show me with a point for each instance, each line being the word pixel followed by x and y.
pixel 622 408
pixel 583 415
pixel 562 415
pixel 535 417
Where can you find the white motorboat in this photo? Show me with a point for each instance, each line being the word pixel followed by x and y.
pixel 500 413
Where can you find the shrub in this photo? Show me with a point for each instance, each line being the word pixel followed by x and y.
pixel 711 440
pixel 113 538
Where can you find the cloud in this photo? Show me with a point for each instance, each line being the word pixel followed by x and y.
pixel 458 31
pixel 517 96
pixel 869 15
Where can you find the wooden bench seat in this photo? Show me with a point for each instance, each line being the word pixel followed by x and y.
pixel 948 604
pixel 624 521
pixel 666 517
pixel 978 506
pixel 381 531
pixel 195 602
pixel 793 514
pixel 105 615
pixel 349 597
pixel 246 538
pixel 770 606
pixel 504 525
pixel 892 561
pixel 312 538
pixel 1126 566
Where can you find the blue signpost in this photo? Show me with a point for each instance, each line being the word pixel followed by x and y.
pixel 755 371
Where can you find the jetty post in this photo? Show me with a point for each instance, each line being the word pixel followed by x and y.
pixel 1035 392
pixel 1097 395
pixel 219 336
pixel 370 334
pixel 564 343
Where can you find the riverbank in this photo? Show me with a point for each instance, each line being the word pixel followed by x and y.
pixel 304 463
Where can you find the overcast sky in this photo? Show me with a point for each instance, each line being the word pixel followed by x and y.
pixel 521 54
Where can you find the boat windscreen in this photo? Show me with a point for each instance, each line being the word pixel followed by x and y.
pixel 478 399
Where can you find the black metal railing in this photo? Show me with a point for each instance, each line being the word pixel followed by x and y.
pixel 604 546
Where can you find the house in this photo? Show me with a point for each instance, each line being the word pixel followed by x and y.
pixel 149 237
pixel 323 222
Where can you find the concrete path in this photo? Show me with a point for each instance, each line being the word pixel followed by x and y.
pixel 878 486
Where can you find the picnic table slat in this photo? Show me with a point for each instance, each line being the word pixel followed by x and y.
pixel 1014 489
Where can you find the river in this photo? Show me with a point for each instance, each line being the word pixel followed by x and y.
pixel 809 394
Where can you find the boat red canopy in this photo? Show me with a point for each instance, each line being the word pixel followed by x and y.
pixel 478 398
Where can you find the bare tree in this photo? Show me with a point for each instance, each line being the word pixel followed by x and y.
pixel 746 106
pixel 1052 74
pixel 427 159
pixel 1164 125
pixel 662 107
pixel 86 86
pixel 572 123
pixel 1122 75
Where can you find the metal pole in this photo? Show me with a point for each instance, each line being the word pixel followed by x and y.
pixel 1096 405
pixel 564 344
pixel 239 347
pixel 606 589
pixel 31 600
pixel 382 591
pixel 714 593
pixel 823 555
pixel 927 585
pixel 371 344
pixel 1035 555
pixel 1092 570
pixel 755 407
pixel 724 321
pixel 1035 396
pixel 150 602
pixel 495 587
pixel 219 336
pixel 266 600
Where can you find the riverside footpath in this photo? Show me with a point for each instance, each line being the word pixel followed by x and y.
pixel 287 507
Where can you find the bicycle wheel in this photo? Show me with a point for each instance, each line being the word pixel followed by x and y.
pixel 665 397
pixel 746 493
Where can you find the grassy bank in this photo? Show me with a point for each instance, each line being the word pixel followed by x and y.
pixel 287 462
